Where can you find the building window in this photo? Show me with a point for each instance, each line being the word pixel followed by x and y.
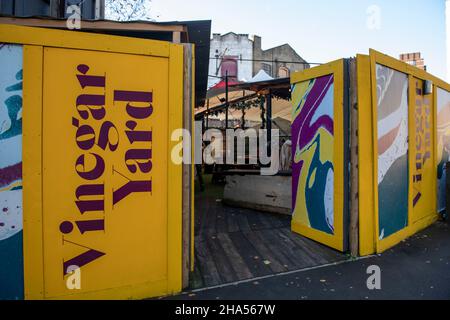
pixel 230 65
pixel 283 72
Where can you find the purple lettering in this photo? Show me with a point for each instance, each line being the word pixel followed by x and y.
pixel 129 188
pixel 90 205
pixel 82 259
pixel 104 137
pixel 136 96
pixel 91 100
pixel 133 136
pixel 138 156
pixel 90 225
pixel 93 174
pixel 85 136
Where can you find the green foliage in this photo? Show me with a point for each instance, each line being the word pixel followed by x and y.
pixel 248 104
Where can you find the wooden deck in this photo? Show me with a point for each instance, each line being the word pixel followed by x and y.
pixel 233 244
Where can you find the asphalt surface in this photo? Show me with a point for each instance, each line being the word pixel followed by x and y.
pixel 418 268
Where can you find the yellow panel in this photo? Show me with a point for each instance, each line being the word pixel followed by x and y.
pixel 32 172
pixel 365 158
pixel 407 68
pixel 175 173
pixel 396 238
pixel 105 164
pixel 300 221
pixel 425 214
pixel 440 83
pixel 82 40
pixel 130 247
pixel 324 69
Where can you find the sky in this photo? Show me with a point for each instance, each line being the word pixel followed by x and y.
pixel 325 30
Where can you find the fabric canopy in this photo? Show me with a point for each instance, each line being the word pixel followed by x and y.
pixel 219 88
pixel 261 76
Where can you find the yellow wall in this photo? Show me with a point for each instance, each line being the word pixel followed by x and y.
pixel 100 190
pixel 365 158
pixel 422 179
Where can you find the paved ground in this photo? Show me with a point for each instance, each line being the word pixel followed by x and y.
pixel 234 244
pixel 418 268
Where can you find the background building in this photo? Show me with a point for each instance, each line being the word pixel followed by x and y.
pixel 243 58
pixel 414 59
pixel 233 53
pixel 277 62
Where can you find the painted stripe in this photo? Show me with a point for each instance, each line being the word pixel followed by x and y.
pixel 14 185
pixel 387 140
pixel 10 174
pixel 390 122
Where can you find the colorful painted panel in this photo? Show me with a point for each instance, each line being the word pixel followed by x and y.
pixel 313 150
pixel 392 118
pixel 443 143
pixel 11 238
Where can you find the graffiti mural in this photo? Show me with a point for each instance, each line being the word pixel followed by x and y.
pixel 392 111
pixel 443 142
pixel 313 149
pixel 11 272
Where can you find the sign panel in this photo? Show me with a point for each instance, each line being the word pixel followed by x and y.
pixel 105 171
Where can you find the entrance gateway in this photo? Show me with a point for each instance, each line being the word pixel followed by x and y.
pixel 109 103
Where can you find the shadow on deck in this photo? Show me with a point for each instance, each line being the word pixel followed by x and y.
pixel 233 244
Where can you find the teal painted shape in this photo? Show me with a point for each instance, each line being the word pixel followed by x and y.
pixel 17 86
pixel 315 195
pixel 11 266
pixel 393 198
pixel 14 105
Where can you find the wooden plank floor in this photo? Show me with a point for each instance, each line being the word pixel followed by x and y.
pixel 233 244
